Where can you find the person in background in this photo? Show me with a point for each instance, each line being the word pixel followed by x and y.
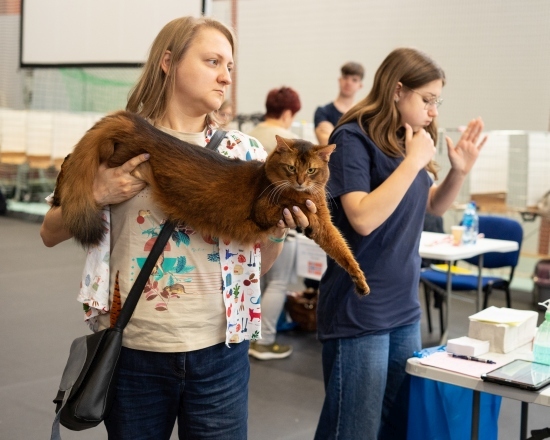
pixel 181 360
pixel 225 114
pixel 381 186
pixel 327 116
pixel 281 107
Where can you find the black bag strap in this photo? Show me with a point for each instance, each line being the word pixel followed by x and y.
pixel 215 140
pixel 136 290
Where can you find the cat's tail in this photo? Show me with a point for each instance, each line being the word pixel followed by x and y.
pixel 74 190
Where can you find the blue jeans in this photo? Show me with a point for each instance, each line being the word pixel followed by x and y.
pixel 366 386
pixel 205 390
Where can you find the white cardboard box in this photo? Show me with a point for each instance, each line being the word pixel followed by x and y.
pixel 505 329
pixel 467 346
pixel 311 260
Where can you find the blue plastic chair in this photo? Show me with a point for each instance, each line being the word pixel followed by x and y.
pixel 502 228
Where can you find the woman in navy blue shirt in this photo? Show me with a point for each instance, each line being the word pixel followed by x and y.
pixel 381 187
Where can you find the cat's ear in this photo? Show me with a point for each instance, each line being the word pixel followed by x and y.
pixel 283 145
pixel 325 152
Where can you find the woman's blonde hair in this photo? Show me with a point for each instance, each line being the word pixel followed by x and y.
pixel 377 113
pixel 149 97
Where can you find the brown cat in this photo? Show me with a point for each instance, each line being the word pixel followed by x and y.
pixel 214 195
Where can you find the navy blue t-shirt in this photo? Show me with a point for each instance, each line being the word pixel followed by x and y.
pixel 388 256
pixel 328 113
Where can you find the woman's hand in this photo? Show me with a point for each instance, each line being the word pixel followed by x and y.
pixel 292 220
pixel 464 155
pixel 419 147
pixel 296 218
pixel 116 185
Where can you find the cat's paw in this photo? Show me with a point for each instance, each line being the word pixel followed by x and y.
pixel 361 287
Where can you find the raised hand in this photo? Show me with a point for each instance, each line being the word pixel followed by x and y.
pixel 464 155
pixel 116 185
pixel 419 146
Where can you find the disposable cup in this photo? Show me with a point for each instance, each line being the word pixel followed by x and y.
pixel 458 232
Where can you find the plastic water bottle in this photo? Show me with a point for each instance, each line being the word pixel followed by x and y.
pixel 470 221
pixel 541 347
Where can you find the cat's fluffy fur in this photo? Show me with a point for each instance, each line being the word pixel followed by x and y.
pixel 217 196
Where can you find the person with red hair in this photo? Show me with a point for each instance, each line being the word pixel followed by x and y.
pixel 281 106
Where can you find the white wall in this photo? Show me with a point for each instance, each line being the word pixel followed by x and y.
pixel 496 53
pixel 11 82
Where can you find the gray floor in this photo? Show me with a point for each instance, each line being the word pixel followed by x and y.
pixel 39 317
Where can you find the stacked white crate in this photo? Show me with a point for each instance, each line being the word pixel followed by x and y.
pixel 528 173
pixel 68 128
pixel 13 125
pixel 38 134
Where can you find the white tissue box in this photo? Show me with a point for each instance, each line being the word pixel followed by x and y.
pixel 505 329
pixel 311 260
pixel 467 346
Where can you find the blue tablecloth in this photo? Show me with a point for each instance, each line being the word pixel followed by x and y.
pixel 439 411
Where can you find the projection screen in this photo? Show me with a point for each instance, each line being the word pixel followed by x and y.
pixel 95 33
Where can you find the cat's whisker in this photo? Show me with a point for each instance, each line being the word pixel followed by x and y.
pixel 276 192
pixel 316 189
pixel 330 199
pixel 271 184
pixel 272 197
pixel 283 187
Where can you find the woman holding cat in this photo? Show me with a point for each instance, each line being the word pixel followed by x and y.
pixel 181 358
pixel 381 188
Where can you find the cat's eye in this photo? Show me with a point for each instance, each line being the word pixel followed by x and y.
pixel 291 168
pixel 311 170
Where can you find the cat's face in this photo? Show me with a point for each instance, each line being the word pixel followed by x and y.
pixel 299 164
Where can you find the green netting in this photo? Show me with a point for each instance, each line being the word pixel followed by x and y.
pixel 97 90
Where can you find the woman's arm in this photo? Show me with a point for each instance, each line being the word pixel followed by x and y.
pixel 111 186
pixel 367 211
pixel 53 230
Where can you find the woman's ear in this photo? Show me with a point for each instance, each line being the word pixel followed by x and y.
pixel 165 62
pixel 397 93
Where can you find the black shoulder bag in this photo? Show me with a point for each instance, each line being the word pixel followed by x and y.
pixel 87 386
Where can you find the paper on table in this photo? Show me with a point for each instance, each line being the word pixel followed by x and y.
pixel 469 368
pixel 502 315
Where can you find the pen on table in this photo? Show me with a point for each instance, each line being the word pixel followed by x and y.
pixel 472 358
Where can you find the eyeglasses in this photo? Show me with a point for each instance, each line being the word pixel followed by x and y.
pixel 430 102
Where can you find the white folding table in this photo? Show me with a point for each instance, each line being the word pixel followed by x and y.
pixel 542 397
pixel 437 246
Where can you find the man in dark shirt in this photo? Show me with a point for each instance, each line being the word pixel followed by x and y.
pixel 326 117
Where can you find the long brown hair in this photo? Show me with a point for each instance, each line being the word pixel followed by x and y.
pixel 150 96
pixel 377 113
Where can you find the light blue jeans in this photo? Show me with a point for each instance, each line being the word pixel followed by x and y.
pixel 206 391
pixel 274 287
pixel 366 386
